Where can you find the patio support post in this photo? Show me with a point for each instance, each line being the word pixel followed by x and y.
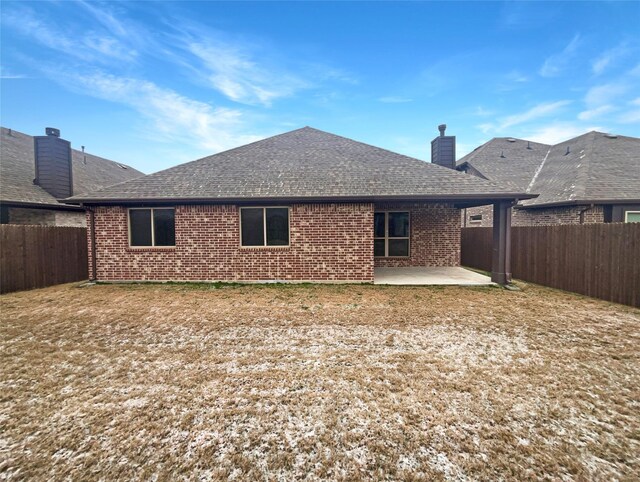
pixel 501 255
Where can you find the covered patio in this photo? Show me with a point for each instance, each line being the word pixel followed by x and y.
pixel 415 276
pixel 429 235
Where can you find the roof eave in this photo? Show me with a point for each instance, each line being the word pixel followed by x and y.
pixel 36 205
pixel 578 202
pixel 434 198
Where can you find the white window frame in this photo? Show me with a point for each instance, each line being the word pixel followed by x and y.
pixel 386 233
pixel 153 228
pixel 264 227
pixel 471 220
pixel 626 217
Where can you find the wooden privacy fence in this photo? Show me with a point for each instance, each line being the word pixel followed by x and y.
pixel 39 256
pixel 599 260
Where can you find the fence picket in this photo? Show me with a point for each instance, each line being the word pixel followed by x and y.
pixel 598 260
pixel 39 256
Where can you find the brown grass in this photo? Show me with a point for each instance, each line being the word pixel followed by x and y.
pixel 322 382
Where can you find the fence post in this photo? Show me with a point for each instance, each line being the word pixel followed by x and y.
pixel 501 248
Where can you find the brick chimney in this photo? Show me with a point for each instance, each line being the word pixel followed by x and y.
pixel 53 164
pixel 443 149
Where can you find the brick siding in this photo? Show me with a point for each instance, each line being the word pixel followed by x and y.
pixel 435 235
pixel 538 217
pixel 46 217
pixel 328 242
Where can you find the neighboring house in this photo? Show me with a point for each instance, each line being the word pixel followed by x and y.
pixel 593 178
pixel 301 206
pixel 33 180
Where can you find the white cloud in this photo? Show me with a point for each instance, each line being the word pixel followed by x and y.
pixel 107 19
pixel 171 116
pixel 596 112
pixel 486 127
pixel 540 110
pixel 482 112
pixel 394 100
pixel 247 71
pixel 7 74
pixel 604 60
pixel 630 117
pixel 88 45
pixel 604 94
pixel 558 132
pixel 555 64
pixel 516 76
pixel 232 70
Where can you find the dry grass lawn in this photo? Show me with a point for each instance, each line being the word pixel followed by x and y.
pixel 169 382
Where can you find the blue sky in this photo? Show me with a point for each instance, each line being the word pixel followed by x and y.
pixel 156 84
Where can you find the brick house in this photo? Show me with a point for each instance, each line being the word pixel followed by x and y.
pixel 593 178
pixel 305 205
pixel 36 172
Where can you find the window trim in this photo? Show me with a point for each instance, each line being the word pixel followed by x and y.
pixel 477 220
pixel 626 217
pixel 264 227
pixel 386 233
pixel 153 228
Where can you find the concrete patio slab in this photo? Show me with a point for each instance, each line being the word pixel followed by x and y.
pixel 430 276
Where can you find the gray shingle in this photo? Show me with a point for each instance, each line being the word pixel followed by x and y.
pixel 505 159
pixel 17 171
pixel 302 164
pixel 596 168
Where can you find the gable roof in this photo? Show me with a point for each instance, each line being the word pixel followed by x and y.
pixel 302 164
pixel 594 167
pixel 17 171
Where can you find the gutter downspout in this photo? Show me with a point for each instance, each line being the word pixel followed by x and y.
pixel 92 240
pixel 582 211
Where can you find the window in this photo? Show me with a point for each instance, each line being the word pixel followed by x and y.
pixel 152 227
pixel 391 234
pixel 264 226
pixel 632 217
pixel 476 218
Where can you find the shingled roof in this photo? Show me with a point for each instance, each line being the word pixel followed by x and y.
pixel 303 164
pixel 17 171
pixel 595 167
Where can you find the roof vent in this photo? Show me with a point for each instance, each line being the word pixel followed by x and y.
pixel 568 151
pixel 511 139
pixel 52 131
pixel 611 136
pixel 528 144
pixel 502 154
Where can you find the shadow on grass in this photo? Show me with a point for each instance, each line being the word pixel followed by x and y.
pixel 284 286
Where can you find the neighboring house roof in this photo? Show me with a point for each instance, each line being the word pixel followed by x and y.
pixel 17 171
pixel 302 164
pixel 507 159
pixel 594 167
